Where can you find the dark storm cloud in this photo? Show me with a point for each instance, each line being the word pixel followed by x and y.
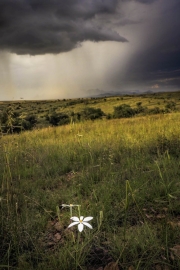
pixel 157 59
pixel 145 1
pixel 126 21
pixel 53 26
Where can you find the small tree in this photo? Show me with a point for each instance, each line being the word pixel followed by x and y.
pixel 26 125
pixel 140 108
pixel 53 119
pixel 32 119
pixel 123 110
pixel 9 120
pixel 58 119
pixel 90 113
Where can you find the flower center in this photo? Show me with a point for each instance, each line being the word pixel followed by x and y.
pixel 81 220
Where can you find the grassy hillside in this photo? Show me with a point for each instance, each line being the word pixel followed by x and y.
pixel 123 172
pixel 165 102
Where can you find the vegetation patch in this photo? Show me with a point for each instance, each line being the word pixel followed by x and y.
pixel 101 194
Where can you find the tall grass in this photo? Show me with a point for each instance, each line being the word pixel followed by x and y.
pixel 127 170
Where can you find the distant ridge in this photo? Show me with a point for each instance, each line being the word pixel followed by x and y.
pixel 136 92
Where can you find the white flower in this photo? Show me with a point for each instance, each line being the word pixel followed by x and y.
pixel 81 222
pixel 69 205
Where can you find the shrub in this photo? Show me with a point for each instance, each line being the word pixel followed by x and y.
pixel 171 105
pixel 63 119
pixel 90 113
pixel 139 104
pixel 32 119
pixel 77 116
pixel 155 110
pixel 140 109
pixel 58 119
pixel 109 116
pixel 9 120
pixel 26 125
pixel 123 110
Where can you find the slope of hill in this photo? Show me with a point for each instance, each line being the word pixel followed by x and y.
pixel 72 110
pixel 122 172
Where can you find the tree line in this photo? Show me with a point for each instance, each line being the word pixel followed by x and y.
pixel 12 122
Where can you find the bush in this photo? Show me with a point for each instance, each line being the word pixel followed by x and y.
pixel 90 113
pixel 123 110
pixel 10 121
pixel 77 116
pixel 58 119
pixel 63 119
pixel 26 125
pixel 32 119
pixel 171 105
pixel 109 116
pixel 140 109
pixel 155 110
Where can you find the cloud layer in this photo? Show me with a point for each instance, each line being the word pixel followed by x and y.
pixel 141 52
pixel 156 60
pixel 54 26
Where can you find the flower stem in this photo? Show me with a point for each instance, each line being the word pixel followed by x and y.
pixel 70 211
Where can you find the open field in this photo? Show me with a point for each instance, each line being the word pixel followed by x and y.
pixel 71 107
pixel 125 173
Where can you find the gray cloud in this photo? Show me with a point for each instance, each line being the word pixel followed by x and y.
pixel 145 54
pixel 53 26
pixel 157 58
pixel 145 1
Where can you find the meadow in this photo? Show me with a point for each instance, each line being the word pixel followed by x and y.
pixel 65 111
pixel 123 172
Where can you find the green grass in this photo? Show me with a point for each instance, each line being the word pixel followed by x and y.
pixel 106 104
pixel 127 169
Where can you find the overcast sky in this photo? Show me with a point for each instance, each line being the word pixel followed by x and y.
pixel 75 48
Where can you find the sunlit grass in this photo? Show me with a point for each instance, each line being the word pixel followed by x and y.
pixel 127 169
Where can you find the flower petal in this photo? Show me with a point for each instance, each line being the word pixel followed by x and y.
pixel 75 218
pixel 81 218
pixel 64 205
pixel 87 218
pixel 87 224
pixel 73 223
pixel 80 227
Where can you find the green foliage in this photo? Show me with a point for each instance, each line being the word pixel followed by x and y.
pixel 139 104
pixel 58 119
pixel 123 111
pixel 74 102
pixel 26 125
pixel 90 113
pixel 126 169
pixel 171 105
pixel 12 122
pixel 109 116
pixel 140 108
pixel 29 122
pixel 9 120
pixel 32 119
pixel 155 110
pixel 45 108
